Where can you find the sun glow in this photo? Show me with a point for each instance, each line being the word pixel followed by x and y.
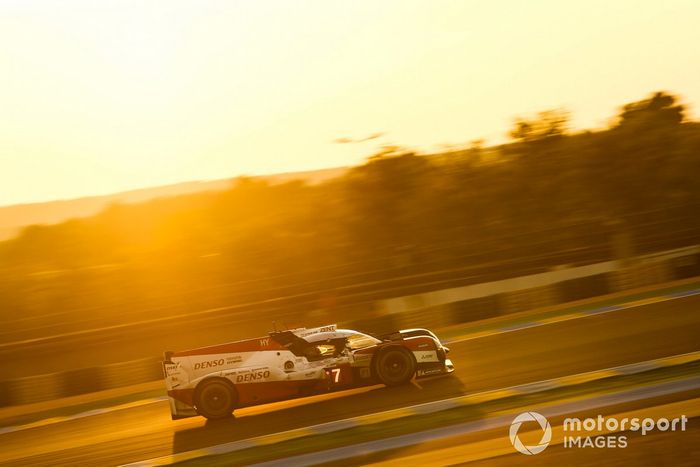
pixel 109 96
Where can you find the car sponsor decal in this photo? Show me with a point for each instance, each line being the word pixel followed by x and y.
pixel 429 371
pixel 171 368
pixel 425 355
pixel 234 359
pixel 253 376
pixel 249 375
pixel 209 364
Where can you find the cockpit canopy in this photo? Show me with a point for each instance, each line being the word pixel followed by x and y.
pixel 354 339
pixel 325 342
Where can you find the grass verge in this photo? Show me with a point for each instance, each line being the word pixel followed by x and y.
pixel 75 409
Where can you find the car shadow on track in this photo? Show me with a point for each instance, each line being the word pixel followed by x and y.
pixel 315 410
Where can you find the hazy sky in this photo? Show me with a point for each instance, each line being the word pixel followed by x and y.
pixel 100 96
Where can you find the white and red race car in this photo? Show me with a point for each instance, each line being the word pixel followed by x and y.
pixel 213 381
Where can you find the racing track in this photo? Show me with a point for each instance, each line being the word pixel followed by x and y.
pixel 528 355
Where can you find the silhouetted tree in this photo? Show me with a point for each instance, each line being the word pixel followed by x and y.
pixel 657 111
pixel 547 124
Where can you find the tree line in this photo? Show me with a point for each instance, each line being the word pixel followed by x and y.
pixel 399 213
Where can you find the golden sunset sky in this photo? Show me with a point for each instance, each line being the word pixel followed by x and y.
pixel 104 96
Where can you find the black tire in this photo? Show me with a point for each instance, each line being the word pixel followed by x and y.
pixel 395 366
pixel 215 399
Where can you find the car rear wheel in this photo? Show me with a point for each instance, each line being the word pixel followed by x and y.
pixel 215 399
pixel 395 366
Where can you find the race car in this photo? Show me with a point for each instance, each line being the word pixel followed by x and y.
pixel 213 381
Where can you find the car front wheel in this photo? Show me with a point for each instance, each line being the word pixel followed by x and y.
pixel 395 366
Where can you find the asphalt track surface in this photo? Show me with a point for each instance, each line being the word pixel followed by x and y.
pixel 528 355
pixel 488 439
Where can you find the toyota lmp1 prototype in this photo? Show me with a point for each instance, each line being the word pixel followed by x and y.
pixel 213 381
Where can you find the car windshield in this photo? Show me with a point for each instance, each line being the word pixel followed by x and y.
pixel 360 341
